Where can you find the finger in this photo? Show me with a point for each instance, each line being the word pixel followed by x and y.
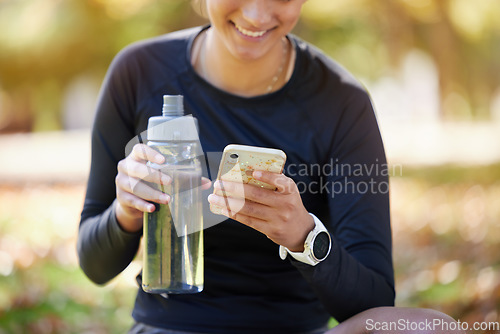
pixel 229 189
pixel 142 190
pixel 205 183
pixel 226 193
pixel 219 210
pixel 283 183
pixel 250 192
pixel 253 222
pixel 250 221
pixel 150 194
pixel 241 206
pixel 131 202
pixel 232 205
pixel 139 170
pixel 233 189
pixel 145 153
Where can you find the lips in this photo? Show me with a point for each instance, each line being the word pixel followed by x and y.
pixel 250 33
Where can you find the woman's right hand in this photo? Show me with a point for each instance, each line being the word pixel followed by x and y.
pixel 133 195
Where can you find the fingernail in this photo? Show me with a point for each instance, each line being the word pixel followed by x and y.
pixel 165 179
pixel 257 174
pixel 210 198
pixel 164 198
pixel 217 184
pixel 159 158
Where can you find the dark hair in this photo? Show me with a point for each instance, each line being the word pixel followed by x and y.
pixel 200 7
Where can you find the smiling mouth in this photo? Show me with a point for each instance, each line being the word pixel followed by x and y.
pixel 250 33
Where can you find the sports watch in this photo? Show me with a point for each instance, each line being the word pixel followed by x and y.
pixel 316 247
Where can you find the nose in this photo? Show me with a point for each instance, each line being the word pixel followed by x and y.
pixel 257 12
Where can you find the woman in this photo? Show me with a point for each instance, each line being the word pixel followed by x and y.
pixel 248 81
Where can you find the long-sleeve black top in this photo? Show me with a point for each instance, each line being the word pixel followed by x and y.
pixel 323 119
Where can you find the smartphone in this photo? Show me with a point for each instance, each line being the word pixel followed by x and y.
pixel 239 161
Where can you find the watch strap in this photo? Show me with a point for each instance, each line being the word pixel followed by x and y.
pixel 307 255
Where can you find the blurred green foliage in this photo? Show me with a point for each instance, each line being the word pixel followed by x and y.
pixel 42 288
pixel 445 219
pixel 48 43
pixel 445 228
pixel 452 174
pixel 54 298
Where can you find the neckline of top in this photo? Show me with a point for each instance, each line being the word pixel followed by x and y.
pixel 237 98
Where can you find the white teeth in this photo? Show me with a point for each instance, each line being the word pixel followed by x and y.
pixel 250 33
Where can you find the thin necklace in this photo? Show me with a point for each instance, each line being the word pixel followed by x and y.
pixel 274 80
pixel 200 55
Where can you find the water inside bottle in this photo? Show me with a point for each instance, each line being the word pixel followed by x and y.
pixel 174 235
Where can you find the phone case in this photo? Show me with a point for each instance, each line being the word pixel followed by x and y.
pixel 239 161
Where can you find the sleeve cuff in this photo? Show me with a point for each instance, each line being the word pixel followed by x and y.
pixel 116 228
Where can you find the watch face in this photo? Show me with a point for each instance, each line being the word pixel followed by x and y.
pixel 321 245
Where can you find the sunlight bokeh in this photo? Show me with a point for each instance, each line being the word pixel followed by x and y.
pixel 431 66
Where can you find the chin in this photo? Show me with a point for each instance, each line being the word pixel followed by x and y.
pixel 244 50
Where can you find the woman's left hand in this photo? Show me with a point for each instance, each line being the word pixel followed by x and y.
pixel 279 214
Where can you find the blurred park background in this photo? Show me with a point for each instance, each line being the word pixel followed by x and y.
pixel 431 66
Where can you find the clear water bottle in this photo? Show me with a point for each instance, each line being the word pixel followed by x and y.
pixel 173 233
